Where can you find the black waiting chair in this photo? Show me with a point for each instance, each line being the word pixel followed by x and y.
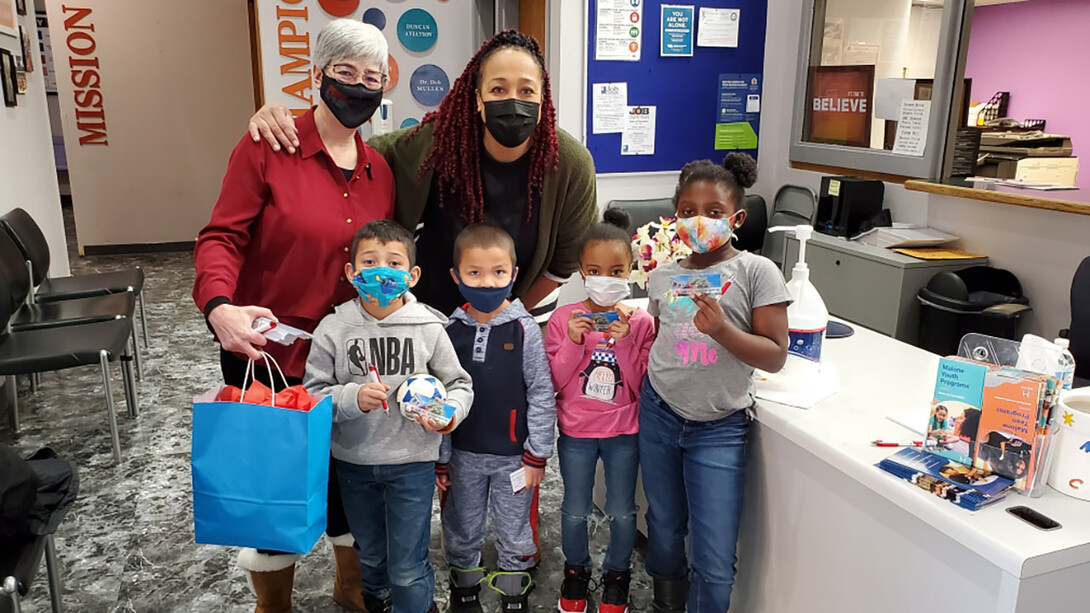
pixel 35 350
pixel 793 205
pixel 31 242
pixel 644 211
pixel 1078 333
pixel 24 546
pixel 751 236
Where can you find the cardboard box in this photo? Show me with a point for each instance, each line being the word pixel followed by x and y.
pixel 1061 170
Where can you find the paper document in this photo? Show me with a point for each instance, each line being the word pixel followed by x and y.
pixel 888 238
pixel 618 30
pixel 718 27
pixel 940 254
pixel 889 94
pixel 912 128
pixel 518 480
pixel 610 106
pixel 638 137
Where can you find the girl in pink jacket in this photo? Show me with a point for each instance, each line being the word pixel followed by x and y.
pixel 598 355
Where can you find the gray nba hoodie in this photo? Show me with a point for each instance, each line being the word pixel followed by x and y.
pixel 411 340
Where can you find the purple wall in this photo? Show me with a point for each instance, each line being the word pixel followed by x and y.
pixel 1038 51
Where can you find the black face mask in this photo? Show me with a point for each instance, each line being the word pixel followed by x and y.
pixel 510 121
pixel 352 105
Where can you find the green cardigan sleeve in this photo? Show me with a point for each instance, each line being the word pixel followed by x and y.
pixel 578 202
pixel 405 152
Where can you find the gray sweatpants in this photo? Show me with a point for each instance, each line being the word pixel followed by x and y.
pixel 483 481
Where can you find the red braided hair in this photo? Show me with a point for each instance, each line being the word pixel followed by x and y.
pixel 455 155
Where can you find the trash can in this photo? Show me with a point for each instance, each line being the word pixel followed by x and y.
pixel 977 299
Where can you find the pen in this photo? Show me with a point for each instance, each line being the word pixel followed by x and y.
pixel 897 443
pixel 373 375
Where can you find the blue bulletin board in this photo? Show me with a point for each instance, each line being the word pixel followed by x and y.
pixel 707 105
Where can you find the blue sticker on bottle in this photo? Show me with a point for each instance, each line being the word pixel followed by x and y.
pixel 375 17
pixel 806 343
pixel 410 122
pixel 417 30
pixel 429 84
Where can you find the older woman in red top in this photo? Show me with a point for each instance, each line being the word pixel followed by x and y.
pixel 277 244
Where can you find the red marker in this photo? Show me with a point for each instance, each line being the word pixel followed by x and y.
pixel 373 374
pixel 897 443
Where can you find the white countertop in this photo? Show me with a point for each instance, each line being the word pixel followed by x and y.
pixel 880 376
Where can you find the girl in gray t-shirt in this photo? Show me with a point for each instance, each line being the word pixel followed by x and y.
pixel 720 314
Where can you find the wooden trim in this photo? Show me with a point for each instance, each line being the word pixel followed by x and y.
pixel 1034 202
pixel 137 248
pixel 255 55
pixel 532 20
pixel 851 172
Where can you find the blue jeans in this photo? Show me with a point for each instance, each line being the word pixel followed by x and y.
pixel 578 460
pixel 693 476
pixel 389 513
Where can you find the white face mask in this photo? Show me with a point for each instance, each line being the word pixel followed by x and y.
pixel 606 291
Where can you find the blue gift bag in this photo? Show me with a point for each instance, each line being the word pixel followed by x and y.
pixel 260 474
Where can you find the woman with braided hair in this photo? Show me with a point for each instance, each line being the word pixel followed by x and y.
pixel 491 153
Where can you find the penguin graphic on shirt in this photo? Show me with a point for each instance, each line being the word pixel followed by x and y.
pixel 602 377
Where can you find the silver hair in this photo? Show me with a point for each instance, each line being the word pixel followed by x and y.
pixel 348 39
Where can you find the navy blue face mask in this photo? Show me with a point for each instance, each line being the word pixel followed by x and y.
pixel 485 299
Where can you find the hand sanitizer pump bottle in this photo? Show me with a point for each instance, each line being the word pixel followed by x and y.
pixel 807 316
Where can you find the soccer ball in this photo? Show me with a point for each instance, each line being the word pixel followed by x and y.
pixel 423 386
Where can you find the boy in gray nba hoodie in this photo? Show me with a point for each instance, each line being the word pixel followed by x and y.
pixel 385 462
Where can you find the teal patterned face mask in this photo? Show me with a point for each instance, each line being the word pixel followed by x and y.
pixel 381 285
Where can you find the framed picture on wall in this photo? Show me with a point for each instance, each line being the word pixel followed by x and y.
pixel 839 105
pixel 28 51
pixel 7 74
pixel 21 82
pixel 7 18
pixel 20 6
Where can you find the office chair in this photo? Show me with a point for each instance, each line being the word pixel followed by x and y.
pixel 751 236
pixel 793 205
pixel 644 211
pixel 1079 330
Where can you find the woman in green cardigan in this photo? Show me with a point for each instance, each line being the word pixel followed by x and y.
pixel 491 153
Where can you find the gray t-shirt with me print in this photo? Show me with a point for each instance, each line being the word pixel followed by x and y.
pixel 699 379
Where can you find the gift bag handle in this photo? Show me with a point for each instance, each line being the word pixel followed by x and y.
pixel 249 376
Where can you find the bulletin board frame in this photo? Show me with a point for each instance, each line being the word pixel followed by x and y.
pixel 684 90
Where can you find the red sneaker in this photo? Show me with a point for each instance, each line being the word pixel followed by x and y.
pixel 573 591
pixel 615 592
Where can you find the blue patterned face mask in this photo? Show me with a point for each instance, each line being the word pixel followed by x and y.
pixel 381 285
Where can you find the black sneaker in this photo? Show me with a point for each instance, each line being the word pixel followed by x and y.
pixel 465 589
pixel 514 589
pixel 615 592
pixel 573 591
pixel 374 604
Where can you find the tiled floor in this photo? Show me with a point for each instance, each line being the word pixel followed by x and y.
pixel 127 544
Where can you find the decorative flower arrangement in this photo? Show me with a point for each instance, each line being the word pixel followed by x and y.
pixel 655 243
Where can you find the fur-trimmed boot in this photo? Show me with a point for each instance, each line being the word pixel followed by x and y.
pixel 271 579
pixel 346 585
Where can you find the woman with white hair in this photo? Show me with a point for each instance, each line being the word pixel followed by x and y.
pixel 276 246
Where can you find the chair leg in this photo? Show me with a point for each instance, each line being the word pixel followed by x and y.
pixel 11 382
pixel 35 380
pixel 10 588
pixel 135 343
pixel 130 384
pixel 143 318
pixel 111 413
pixel 52 570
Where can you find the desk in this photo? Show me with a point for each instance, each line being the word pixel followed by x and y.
pixel 868 285
pixel 825 530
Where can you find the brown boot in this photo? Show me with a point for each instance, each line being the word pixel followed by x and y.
pixel 272 577
pixel 346 586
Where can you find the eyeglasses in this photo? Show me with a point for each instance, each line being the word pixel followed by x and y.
pixel 348 75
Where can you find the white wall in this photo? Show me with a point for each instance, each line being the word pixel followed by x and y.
pixel 26 158
pixel 177 91
pixel 1042 248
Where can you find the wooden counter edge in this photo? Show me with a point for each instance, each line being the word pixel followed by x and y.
pixel 1034 202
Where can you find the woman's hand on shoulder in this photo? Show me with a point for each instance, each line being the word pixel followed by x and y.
pixel 275 123
pixel 234 328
